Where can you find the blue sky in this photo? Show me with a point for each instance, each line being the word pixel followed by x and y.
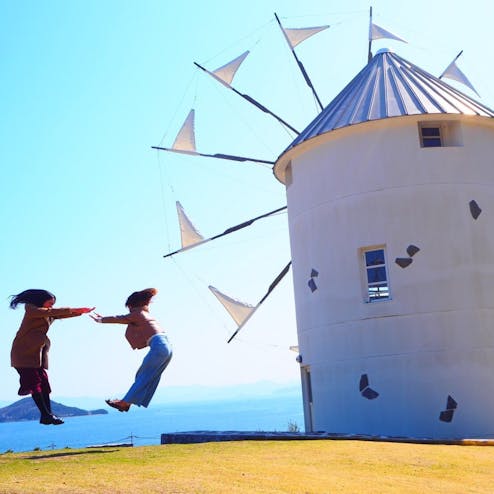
pixel 88 208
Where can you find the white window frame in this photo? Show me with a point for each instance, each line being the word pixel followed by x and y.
pixel 424 139
pixel 370 295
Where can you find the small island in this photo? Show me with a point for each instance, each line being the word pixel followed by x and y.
pixel 25 409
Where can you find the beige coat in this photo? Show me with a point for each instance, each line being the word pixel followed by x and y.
pixel 31 345
pixel 140 326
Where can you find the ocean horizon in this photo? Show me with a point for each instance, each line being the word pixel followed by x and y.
pixel 141 426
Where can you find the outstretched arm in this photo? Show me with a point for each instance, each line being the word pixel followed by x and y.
pixel 60 313
pixel 124 319
pixel 78 311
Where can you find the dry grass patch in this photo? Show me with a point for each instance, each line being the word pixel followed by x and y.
pixel 258 467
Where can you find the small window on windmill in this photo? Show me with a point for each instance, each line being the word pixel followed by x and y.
pixel 375 274
pixel 430 136
pixel 440 134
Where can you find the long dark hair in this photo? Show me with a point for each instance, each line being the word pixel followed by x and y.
pixel 31 296
pixel 141 298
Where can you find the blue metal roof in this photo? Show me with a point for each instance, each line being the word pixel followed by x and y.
pixel 389 86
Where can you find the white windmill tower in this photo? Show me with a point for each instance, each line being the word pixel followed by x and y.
pixel 392 259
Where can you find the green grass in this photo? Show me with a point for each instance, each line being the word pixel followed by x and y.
pixel 254 467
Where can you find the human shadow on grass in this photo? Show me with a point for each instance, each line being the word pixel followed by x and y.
pixel 72 453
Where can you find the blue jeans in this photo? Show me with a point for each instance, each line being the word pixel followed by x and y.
pixel 149 373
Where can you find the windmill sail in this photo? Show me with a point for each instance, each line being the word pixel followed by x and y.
pixel 188 233
pixel 453 72
pixel 194 238
pixel 186 139
pixel 185 143
pixel 240 311
pixel 226 73
pixel 294 37
pixel 377 32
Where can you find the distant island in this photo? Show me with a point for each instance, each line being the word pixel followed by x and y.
pixel 25 409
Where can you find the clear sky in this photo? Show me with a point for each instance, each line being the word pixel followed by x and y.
pixel 88 208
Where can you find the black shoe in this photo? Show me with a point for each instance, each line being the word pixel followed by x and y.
pixel 50 419
pixel 56 420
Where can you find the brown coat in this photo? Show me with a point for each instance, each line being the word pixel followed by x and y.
pixel 140 326
pixel 31 345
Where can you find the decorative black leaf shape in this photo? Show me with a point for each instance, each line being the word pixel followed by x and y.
pixel 314 273
pixel 312 285
pixel 364 389
pixel 451 404
pixel 370 394
pixel 403 262
pixel 412 250
pixel 446 416
pixel 474 209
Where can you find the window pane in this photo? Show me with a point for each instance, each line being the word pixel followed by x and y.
pixel 430 132
pixel 374 257
pixel 375 275
pixel 378 291
pixel 434 142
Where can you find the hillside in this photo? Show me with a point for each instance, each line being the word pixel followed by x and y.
pixel 25 409
pixel 246 467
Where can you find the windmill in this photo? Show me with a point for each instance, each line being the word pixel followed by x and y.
pixel 342 182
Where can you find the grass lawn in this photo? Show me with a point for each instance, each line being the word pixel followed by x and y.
pixel 254 467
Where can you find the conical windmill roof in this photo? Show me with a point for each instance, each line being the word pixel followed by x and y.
pixel 389 86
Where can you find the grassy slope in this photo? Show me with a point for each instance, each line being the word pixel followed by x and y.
pixel 254 467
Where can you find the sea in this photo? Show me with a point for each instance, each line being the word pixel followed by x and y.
pixel 144 426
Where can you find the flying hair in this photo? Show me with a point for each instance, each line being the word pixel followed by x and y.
pixel 33 296
pixel 141 298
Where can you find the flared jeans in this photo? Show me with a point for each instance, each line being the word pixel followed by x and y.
pixel 149 373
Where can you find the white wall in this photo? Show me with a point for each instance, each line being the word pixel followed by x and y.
pixel 372 185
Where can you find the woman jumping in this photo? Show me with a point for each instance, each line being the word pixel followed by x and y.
pixel 29 354
pixel 142 331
